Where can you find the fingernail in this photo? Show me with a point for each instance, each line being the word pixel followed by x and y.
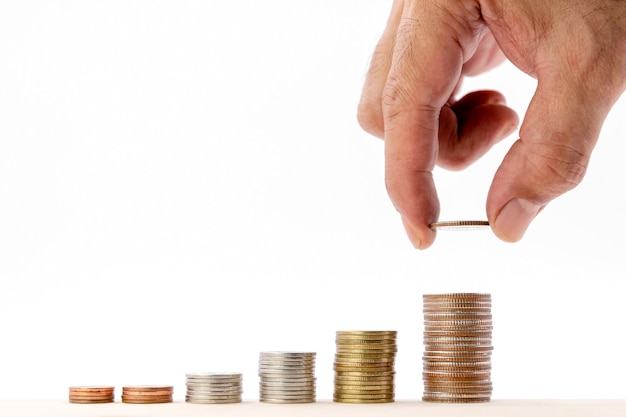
pixel 514 219
pixel 411 233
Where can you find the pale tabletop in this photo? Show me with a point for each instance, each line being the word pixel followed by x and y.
pixel 326 408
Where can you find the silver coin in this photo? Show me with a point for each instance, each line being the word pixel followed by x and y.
pixel 215 375
pixel 286 375
pixel 290 396
pixel 286 365
pixel 460 225
pixel 287 391
pixel 211 397
pixel 212 389
pixel 204 401
pixel 286 379
pixel 279 396
pixel 287 355
pixel 286 387
pixel 213 384
pixel 287 401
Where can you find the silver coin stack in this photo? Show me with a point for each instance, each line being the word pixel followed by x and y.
pixel 457 352
pixel 214 388
pixel 287 377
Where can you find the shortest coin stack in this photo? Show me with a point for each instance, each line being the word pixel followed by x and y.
pixel 287 377
pixel 92 394
pixel 147 394
pixel 214 388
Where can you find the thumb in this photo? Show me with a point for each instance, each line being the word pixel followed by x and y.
pixel 558 134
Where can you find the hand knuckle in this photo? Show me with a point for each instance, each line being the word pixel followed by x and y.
pixel 369 116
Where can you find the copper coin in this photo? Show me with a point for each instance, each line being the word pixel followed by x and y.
pixel 146 397
pixel 93 388
pixel 457 376
pixel 148 388
pixel 148 394
pixel 146 401
pixel 456 295
pixel 91 397
pixel 83 401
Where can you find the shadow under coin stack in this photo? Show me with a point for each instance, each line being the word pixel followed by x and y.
pixel 147 394
pixel 457 352
pixel 364 366
pixel 287 377
pixel 92 394
pixel 214 388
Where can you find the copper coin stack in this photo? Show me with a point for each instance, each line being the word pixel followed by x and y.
pixel 147 394
pixel 214 388
pixel 457 348
pixel 364 366
pixel 92 394
pixel 287 377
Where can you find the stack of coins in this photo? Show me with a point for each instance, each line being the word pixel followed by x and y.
pixel 147 394
pixel 92 394
pixel 364 366
pixel 457 353
pixel 214 388
pixel 287 377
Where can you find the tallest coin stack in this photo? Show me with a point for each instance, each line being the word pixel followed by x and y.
pixel 457 347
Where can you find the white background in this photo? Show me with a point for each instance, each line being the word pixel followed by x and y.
pixel 184 184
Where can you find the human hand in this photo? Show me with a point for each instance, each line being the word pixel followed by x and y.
pixel 575 50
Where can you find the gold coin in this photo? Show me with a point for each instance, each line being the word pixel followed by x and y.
pixel 367 332
pixel 364 388
pixel 366 380
pixel 364 396
pixel 390 336
pixel 368 374
pixel 362 401
pixel 365 344
pixel 361 370
pixel 370 360
pixel 365 355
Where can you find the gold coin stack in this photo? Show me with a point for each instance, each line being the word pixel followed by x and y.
pixel 364 366
pixel 92 394
pixel 214 388
pixel 147 394
pixel 287 377
pixel 457 348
